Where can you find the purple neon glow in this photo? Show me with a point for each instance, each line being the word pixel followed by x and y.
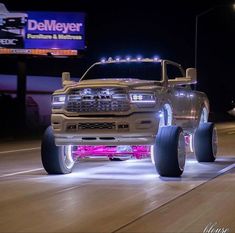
pixel 137 152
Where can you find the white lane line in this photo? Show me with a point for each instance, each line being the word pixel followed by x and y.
pixel 227 168
pixel 22 172
pixel 26 149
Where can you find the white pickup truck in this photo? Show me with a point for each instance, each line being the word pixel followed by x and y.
pixel 129 108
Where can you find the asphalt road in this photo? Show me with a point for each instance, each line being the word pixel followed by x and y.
pixel 104 196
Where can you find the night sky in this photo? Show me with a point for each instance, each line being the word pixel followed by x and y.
pixel 148 28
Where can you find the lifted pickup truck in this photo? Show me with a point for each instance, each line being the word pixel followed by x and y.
pixel 129 108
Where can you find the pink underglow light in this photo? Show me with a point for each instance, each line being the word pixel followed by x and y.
pixel 137 152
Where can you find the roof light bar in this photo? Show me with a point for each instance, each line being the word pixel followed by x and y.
pixel 129 59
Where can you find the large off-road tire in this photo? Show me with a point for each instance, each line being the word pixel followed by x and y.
pixel 170 152
pixel 205 142
pixel 55 159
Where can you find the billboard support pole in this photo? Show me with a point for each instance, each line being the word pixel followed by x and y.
pixel 21 91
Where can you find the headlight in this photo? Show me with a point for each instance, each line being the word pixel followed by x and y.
pixel 143 98
pixel 58 101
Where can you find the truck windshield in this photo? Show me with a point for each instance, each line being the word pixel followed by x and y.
pixel 128 70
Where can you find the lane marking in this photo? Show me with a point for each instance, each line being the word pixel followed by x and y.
pixel 26 149
pixel 141 216
pixel 22 172
pixel 226 169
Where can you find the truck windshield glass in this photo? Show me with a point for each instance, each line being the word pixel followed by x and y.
pixel 133 70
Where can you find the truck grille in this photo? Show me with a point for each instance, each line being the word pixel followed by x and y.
pixel 103 125
pixel 98 100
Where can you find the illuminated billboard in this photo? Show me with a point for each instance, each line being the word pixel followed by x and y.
pixel 40 33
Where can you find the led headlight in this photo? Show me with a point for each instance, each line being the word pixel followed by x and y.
pixel 58 101
pixel 142 98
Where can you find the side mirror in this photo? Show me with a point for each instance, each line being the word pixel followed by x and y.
pixel 66 79
pixel 191 78
pixel 191 74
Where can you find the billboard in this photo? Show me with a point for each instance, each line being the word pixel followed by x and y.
pixel 40 33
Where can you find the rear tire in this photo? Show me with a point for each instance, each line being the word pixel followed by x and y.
pixel 170 151
pixel 205 142
pixel 55 159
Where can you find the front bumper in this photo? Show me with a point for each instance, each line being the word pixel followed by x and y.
pixel 134 129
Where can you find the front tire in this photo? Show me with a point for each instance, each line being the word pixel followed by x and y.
pixel 55 159
pixel 170 151
pixel 205 142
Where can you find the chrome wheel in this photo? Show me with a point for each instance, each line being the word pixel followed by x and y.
pixel 204 116
pixel 68 156
pixel 165 116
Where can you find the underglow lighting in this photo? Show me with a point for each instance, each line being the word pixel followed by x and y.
pixel 191 161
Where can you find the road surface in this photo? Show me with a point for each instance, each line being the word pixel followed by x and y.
pixel 104 196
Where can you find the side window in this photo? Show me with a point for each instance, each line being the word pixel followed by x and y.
pixel 173 71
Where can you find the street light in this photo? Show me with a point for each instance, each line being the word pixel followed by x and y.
pixel 196 27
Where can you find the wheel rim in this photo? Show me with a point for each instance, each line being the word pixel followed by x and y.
pixel 214 142
pixel 165 116
pixel 181 152
pixel 204 116
pixel 68 157
pixel 152 152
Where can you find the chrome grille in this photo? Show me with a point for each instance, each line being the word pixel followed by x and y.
pixel 98 100
pixel 103 125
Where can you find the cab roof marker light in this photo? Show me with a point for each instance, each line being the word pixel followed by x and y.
pixel 117 58
pixel 102 60
pixel 129 59
pixel 156 58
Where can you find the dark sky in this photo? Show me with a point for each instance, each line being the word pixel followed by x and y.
pixel 165 28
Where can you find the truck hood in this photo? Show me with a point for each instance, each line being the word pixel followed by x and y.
pixel 131 83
